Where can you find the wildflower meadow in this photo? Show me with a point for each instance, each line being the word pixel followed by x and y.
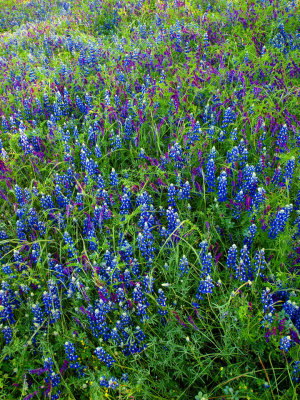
pixel 149 199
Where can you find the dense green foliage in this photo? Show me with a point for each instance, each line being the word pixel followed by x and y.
pixel 149 200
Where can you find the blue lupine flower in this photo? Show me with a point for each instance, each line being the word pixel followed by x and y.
pixel 211 132
pixel 243 157
pixel 205 287
pixel 177 155
pixel 116 141
pixel 186 189
pixel 289 172
pixel 162 302
pixel 100 182
pixel 250 236
pixel 148 284
pixel 79 201
pixel 36 251
pixel 233 156
pixel 194 135
pixel 276 176
pixel 233 134
pixel 267 320
pixel 173 222
pixel 222 136
pixel 27 109
pixel 178 35
pixel 232 257
pixel 6 300
pixel 259 200
pixel 203 250
pixel 125 204
pixel 210 175
pixel 137 294
pixel 147 215
pixel 47 202
pixel 142 311
pixel 114 178
pixel 285 343
pixel 73 357
pixel 162 77
pixel 212 154
pixel 21 228
pixel 19 194
pixel 142 153
pixel 5 124
pixel 48 364
pixel 128 129
pixel 92 238
pixel 279 222
pixel 229 117
pixel 82 108
pixel 171 195
pixel 24 143
pixel 139 334
pixel 52 303
pixel 103 381
pixel 52 376
pixel 113 383
pixel 297 224
pixel 8 334
pixel 206 265
pixel 243 269
pixel 91 134
pixel 296 372
pixel 205 40
pixel 70 352
pixel 55 381
pixel 184 265
pixel 267 301
pixel 282 138
pixel 246 58
pixel 253 182
pixel 259 261
pixel 69 241
pixel 7 269
pixel 135 268
pixel 293 311
pixel 222 187
pixel 88 100
pixel 145 243
pixel 104 357
pixel 62 201
pixel 247 176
